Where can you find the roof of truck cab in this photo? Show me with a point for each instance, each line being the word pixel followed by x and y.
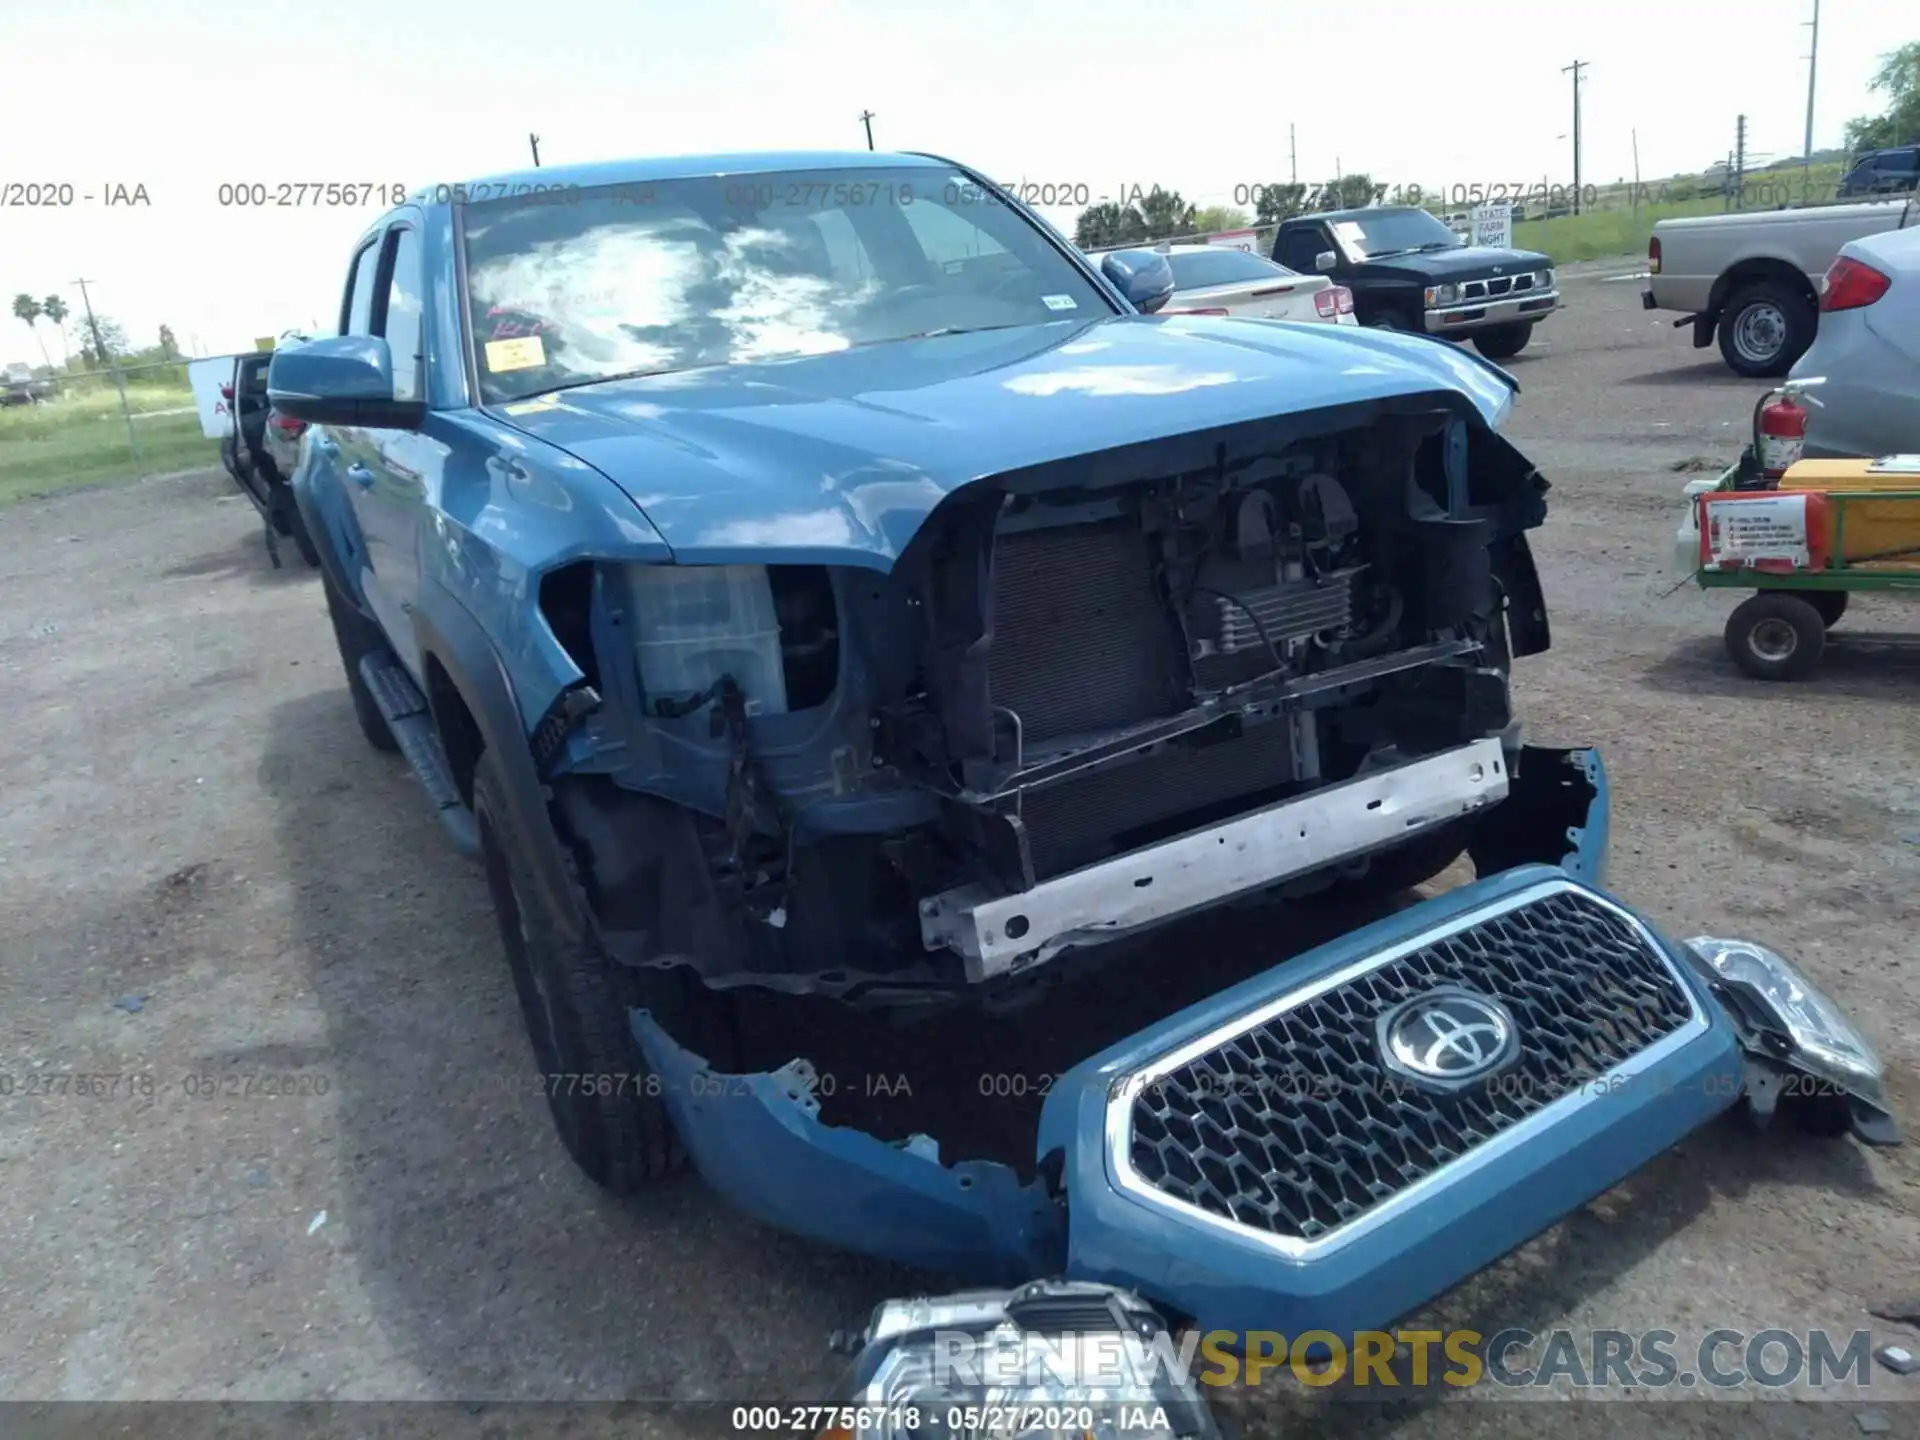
pixel 677 167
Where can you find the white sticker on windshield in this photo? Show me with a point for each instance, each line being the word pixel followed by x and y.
pixel 1060 302
pixel 1347 230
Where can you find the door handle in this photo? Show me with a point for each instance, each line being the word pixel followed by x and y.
pixel 360 475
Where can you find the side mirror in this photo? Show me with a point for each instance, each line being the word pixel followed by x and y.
pixel 1326 260
pixel 341 380
pixel 1143 276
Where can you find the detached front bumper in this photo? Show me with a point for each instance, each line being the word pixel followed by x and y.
pixel 1285 1155
pixel 1483 314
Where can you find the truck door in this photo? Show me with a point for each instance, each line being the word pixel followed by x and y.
pixel 386 476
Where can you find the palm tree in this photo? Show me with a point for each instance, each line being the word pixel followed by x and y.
pixel 55 309
pixel 28 309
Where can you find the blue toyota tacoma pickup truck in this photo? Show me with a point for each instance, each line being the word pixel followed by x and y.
pixel 807 580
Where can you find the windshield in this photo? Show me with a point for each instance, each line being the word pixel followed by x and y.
pixel 1393 232
pixel 572 286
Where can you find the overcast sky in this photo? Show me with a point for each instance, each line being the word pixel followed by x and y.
pixel 180 97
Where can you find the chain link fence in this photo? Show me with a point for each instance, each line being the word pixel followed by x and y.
pixel 78 427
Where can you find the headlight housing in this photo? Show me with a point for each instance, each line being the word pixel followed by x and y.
pixel 1787 1019
pixel 1442 295
pixel 1053 1360
pixel 1543 279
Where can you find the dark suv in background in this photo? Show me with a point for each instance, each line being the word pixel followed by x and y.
pixel 1882 172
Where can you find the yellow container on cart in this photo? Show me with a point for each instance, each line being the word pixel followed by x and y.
pixel 1882 533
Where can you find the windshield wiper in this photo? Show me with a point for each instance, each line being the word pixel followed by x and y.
pixel 956 330
pixel 599 380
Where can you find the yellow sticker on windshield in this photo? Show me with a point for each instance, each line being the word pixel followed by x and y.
pixel 521 353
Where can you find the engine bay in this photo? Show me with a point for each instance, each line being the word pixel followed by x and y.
pixel 1066 665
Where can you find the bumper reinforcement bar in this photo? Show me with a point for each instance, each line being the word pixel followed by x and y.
pixel 1000 934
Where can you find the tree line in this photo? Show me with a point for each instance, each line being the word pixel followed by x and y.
pixel 99 341
pixel 1160 214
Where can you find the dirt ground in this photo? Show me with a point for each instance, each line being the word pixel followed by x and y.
pixel 207 880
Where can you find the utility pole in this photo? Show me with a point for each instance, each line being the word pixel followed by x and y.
pixel 534 141
pixel 1813 61
pixel 1575 68
pixel 1740 163
pixel 1293 157
pixel 866 119
pixel 1636 176
pixel 119 381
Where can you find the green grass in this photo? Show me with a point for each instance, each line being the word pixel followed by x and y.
pixel 81 439
pixel 1613 226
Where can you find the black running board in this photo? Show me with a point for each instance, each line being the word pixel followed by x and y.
pixel 407 716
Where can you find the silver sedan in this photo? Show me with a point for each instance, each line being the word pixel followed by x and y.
pixel 1867 351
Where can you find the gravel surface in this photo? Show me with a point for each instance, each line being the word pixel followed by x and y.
pixel 321 1174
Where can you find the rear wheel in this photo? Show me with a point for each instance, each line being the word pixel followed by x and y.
pixel 1776 636
pixel 1503 342
pixel 357 636
pixel 1764 328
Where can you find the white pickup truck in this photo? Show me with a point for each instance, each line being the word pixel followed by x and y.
pixel 1755 276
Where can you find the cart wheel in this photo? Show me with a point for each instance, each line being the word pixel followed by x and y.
pixel 1831 604
pixel 1776 636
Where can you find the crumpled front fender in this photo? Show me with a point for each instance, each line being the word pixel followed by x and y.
pixel 758 1141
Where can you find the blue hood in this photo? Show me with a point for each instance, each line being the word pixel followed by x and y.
pixel 838 459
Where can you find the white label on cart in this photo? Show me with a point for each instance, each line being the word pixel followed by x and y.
pixel 1760 527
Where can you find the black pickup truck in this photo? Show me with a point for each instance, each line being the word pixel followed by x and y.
pixel 1408 271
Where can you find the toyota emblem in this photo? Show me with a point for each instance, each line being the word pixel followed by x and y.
pixel 1447 1039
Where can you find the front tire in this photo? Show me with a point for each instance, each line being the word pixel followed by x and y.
pixel 357 636
pixel 1776 636
pixel 575 999
pixel 1764 328
pixel 1503 342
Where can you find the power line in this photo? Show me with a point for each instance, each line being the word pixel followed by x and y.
pixel 1575 68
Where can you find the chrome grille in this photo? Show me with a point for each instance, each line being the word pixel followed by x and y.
pixel 1497 286
pixel 1291 1127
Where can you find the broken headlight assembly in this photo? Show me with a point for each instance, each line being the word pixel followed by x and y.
pixel 1788 1021
pixel 1050 1360
pixel 692 624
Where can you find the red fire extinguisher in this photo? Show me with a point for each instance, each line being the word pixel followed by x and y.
pixel 1779 433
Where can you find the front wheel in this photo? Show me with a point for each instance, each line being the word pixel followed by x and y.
pixel 1503 342
pixel 576 1000
pixel 1776 636
pixel 357 636
pixel 1389 320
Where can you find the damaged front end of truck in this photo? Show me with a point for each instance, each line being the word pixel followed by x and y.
pixel 975 754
